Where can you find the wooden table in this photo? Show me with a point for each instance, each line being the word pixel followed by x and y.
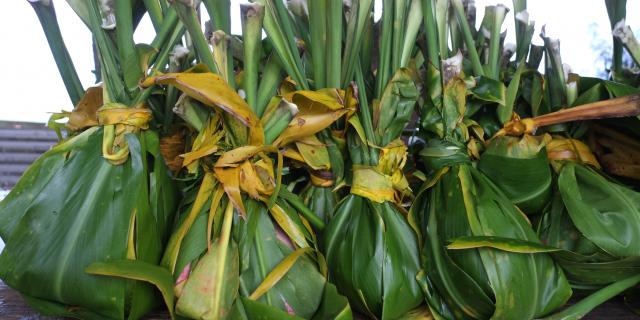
pixel 13 307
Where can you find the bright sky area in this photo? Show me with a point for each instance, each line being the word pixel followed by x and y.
pixel 31 87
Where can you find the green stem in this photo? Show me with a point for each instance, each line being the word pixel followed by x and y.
pixel 498 14
pixel 431 32
pixel 161 61
pixel 334 42
pixel 109 67
pixel 441 8
pixel 299 205
pixel 168 27
pixel 468 38
pixel 47 16
pixel 252 16
pixel 384 56
pixel 278 120
pixel 155 13
pixel 318 35
pixel 129 64
pixel 278 27
pixel 190 19
pixel 397 39
pixel 220 13
pixel 414 20
pixel 364 113
pixel 616 9
pixel 271 77
pixel 355 35
pixel 625 36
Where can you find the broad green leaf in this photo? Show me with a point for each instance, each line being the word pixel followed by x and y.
pixel 396 107
pixel 464 203
pixel 138 270
pixel 261 311
pixel 490 90
pixel 173 247
pixel 605 212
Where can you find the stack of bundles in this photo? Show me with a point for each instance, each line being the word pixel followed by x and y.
pixel 103 193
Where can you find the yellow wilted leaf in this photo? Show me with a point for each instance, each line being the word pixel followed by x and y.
pixel 233 157
pixel 230 179
pixel 316 111
pixel 560 148
pixel 212 90
pixel 314 153
pixel 292 153
pixel 277 273
pixel 85 113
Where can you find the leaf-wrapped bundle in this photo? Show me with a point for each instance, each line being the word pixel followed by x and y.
pixel 72 208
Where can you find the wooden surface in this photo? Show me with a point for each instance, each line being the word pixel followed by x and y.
pixel 12 307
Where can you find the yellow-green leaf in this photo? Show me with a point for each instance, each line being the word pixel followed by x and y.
pixel 277 273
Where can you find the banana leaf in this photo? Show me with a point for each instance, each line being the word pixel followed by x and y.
pixel 72 208
pixel 520 167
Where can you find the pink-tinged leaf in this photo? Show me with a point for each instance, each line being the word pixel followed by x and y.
pixel 287 306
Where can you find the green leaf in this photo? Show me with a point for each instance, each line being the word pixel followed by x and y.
pixel 489 90
pixel 605 212
pixel 396 107
pixel 505 111
pixel 138 270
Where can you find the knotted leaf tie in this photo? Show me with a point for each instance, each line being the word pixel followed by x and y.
pixel 560 148
pixel 385 181
pixel 118 120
